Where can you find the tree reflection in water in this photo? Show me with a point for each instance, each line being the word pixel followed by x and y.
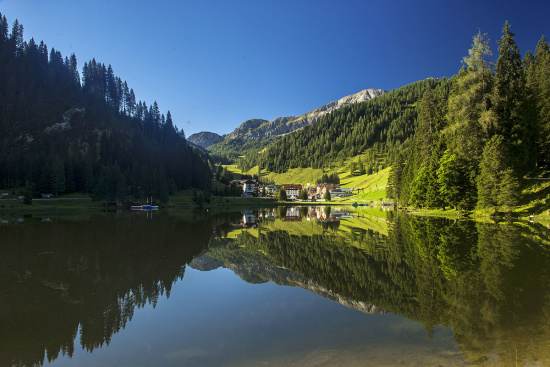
pixel 61 277
pixel 489 282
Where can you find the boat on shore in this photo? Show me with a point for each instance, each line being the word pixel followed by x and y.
pixel 144 207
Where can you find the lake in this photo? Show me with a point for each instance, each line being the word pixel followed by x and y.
pixel 286 286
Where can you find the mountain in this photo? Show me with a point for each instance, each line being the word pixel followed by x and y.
pixel 246 127
pixel 377 129
pixel 285 125
pixel 64 132
pixel 205 139
pixel 254 135
pixel 269 271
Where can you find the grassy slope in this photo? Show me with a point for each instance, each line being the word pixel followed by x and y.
pixel 368 187
pixel 301 176
pixel 535 198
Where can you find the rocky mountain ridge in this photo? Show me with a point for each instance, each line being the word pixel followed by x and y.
pixel 258 273
pixel 284 125
pixel 259 129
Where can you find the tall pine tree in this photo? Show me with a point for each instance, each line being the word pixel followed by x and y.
pixel 509 101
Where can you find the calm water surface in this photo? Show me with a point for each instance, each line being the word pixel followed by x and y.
pixel 273 287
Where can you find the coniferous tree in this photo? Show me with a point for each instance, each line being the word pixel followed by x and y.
pixel 282 194
pixel 425 131
pixel 58 177
pixel 454 182
pixel 538 81
pixel 4 26
pixel 327 196
pixel 433 196
pixel 497 187
pixel 419 161
pixel 394 179
pixel 509 101
pixel 17 37
pixel 419 186
pixel 470 105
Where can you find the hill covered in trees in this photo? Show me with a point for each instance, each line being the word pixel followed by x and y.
pixel 62 131
pixel 494 130
pixel 378 128
pixel 254 135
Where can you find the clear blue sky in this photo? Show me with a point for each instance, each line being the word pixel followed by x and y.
pixel 215 64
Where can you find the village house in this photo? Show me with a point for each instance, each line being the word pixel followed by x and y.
pixel 292 191
pixel 322 189
pixel 248 186
pixel 271 190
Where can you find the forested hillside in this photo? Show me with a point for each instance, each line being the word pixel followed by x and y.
pixel 378 128
pixel 494 130
pixel 62 133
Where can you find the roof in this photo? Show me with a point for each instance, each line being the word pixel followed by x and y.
pixel 292 186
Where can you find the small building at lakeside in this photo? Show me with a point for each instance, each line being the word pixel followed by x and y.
pixel 292 191
pixel 249 187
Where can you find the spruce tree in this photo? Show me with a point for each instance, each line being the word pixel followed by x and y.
pixel 327 195
pixel 394 179
pixel 282 194
pixel 454 182
pixel 425 127
pixel 497 185
pixel 509 101
pixel 539 83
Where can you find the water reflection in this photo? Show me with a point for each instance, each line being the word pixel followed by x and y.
pixel 67 281
pixel 62 277
pixel 488 282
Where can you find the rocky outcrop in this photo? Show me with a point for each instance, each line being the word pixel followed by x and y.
pixel 245 127
pixel 205 139
pixel 65 124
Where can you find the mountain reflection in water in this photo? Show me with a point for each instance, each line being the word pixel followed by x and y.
pixel 71 285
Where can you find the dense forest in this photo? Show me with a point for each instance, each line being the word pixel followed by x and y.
pixel 377 128
pixel 62 131
pixel 493 130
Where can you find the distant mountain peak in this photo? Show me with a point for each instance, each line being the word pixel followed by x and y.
pixel 205 139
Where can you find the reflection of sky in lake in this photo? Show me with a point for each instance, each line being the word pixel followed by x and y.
pixel 215 319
